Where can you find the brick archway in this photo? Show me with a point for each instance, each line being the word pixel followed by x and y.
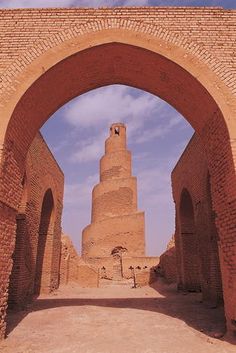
pixel 135 58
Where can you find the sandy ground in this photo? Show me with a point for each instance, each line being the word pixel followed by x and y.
pixel 112 320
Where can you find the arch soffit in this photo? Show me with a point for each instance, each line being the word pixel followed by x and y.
pixel 59 46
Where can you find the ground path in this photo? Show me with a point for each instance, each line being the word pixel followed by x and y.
pixel 116 320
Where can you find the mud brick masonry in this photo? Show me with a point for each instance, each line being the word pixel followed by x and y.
pixel 113 245
pixel 186 56
pixel 115 239
pixel 115 219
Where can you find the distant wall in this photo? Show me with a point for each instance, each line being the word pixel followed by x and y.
pixel 73 268
pixel 167 266
pixel 69 261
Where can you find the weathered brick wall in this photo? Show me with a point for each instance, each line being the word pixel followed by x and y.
pixel 196 235
pixel 183 55
pixel 73 268
pixel 87 275
pixel 167 266
pixel 69 261
pixel 37 249
pixel 33 26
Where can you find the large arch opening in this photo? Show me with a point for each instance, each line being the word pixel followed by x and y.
pixel 134 66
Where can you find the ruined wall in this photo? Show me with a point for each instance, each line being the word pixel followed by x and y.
pixel 196 236
pixel 37 249
pixel 73 268
pixel 167 266
pixel 69 261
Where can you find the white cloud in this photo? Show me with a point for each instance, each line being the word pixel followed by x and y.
pixel 16 4
pixel 80 193
pixel 110 104
pixel 89 150
pixel 69 3
pixel 92 113
pixel 111 3
pixel 160 130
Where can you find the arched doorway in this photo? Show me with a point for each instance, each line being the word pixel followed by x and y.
pixel 189 244
pixel 117 253
pixel 42 282
pixel 121 56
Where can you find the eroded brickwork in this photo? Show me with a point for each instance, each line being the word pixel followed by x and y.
pixel 167 267
pixel 196 237
pixel 69 261
pixel 73 268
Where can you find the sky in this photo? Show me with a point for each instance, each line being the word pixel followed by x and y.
pixel 112 3
pixel 157 135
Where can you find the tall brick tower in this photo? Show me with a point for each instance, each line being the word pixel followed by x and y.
pixel 115 222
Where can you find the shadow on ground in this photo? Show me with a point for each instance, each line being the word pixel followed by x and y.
pixel 184 306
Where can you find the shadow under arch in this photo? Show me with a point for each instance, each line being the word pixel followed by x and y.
pixel 44 248
pixel 189 244
pixel 133 65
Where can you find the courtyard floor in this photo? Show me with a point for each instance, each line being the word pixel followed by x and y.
pixel 116 320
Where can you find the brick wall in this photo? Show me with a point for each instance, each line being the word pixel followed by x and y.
pixel 167 266
pixel 37 249
pixel 188 25
pixel 73 268
pixel 69 261
pixel 196 236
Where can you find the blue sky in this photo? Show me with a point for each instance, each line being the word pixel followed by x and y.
pixel 157 135
pixel 112 3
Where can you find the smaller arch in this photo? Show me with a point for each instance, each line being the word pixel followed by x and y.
pixel 45 241
pixel 189 244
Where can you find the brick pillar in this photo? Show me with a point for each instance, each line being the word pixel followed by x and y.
pixel 7 241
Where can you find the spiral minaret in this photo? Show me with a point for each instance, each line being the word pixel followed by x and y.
pixel 115 220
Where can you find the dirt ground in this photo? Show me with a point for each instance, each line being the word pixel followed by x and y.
pixel 115 319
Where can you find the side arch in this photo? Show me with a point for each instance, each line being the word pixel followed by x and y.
pixel 189 244
pixel 42 283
